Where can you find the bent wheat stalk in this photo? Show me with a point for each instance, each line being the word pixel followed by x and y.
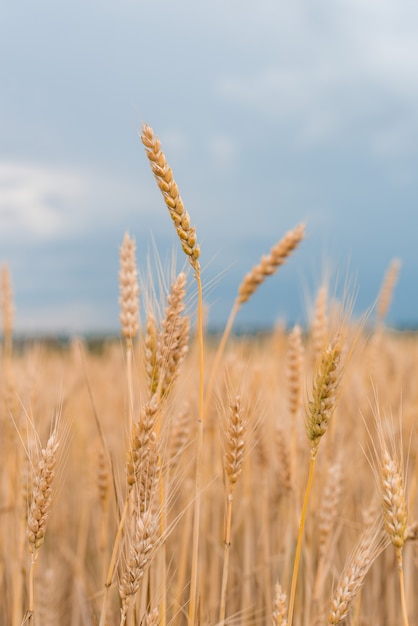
pixel 268 266
pixel 368 548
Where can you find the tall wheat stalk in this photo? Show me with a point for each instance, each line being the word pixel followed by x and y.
pixel 267 266
pixel 320 410
pixel 187 235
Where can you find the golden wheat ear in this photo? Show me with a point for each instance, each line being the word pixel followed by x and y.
pixel 386 291
pixel 270 263
pixel 368 548
pixel 187 235
pixel 324 394
pixel 40 507
pixel 267 267
pixel 168 187
pixel 129 290
pixel 279 606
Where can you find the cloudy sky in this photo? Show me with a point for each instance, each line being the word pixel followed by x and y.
pixel 270 113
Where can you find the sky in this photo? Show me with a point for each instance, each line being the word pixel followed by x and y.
pixel 270 113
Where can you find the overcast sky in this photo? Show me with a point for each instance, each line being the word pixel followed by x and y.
pixel 270 113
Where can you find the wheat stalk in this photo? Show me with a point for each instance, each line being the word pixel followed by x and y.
pixel 395 515
pixel 321 407
pixel 233 459
pixel 141 551
pixel 187 235
pixel 267 267
pixel 40 507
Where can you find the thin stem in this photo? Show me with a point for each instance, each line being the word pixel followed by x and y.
pixel 405 621
pixel 112 564
pixel 218 355
pixel 199 451
pixel 181 569
pixel 227 546
pixel 31 594
pixel 163 553
pixel 300 540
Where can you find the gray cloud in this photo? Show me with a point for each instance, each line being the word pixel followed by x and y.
pixel 270 113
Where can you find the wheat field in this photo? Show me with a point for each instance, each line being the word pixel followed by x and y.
pixel 176 477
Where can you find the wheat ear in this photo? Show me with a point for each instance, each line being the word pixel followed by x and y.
pixel 172 342
pixel 165 181
pixel 103 486
pixel 319 324
pixel 187 235
pixel 141 551
pixel 395 515
pixel 321 407
pixel 270 263
pixel 386 291
pixel 295 361
pixel 324 396
pixel 369 546
pixel 129 290
pixel 233 460
pixel 40 507
pixel 268 266
pixel 142 474
pixel 279 606
pixel 328 515
pixel 152 618
pixel 129 306
pixel 150 353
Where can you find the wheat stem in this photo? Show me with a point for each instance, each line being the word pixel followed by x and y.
pixel 227 550
pixel 199 459
pixel 300 541
pixel 113 559
pixel 405 621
